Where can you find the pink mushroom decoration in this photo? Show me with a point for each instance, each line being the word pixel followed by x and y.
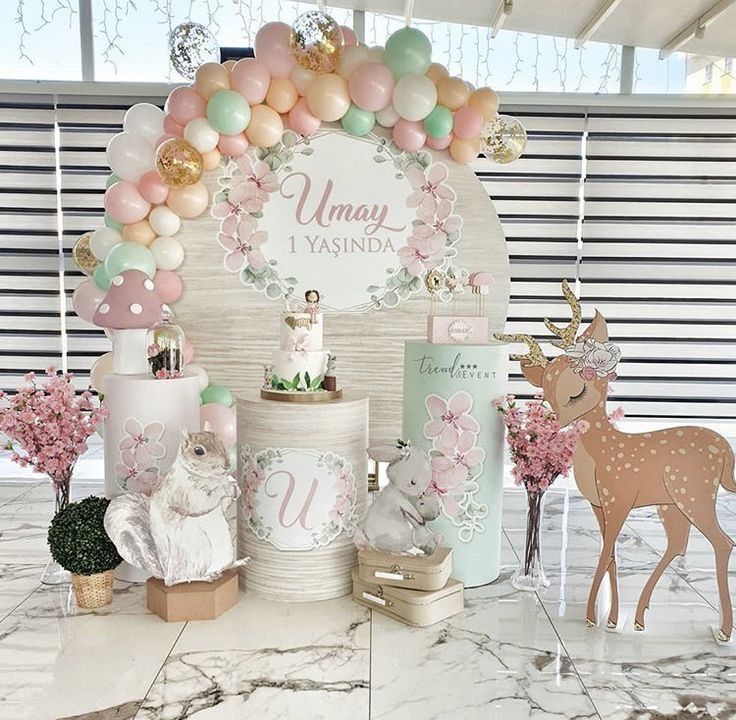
pixel 129 309
pixel 480 282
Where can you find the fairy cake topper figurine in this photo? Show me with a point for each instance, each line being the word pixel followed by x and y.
pixel 312 298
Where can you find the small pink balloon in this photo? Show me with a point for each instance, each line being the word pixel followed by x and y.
pixel 441 143
pixel 188 351
pixel 371 85
pixel 171 127
pixel 86 299
pixel 152 188
pixel 124 203
pixel 163 138
pixel 468 123
pixel 348 35
pixel 251 79
pixel 221 421
pixel 301 119
pixel 409 136
pixel 168 286
pixel 185 104
pixel 233 145
pixel 273 48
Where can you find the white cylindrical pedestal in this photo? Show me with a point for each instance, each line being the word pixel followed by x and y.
pixel 448 411
pixel 303 474
pixel 142 434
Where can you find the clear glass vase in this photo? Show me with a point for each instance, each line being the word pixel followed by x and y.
pixel 530 574
pixel 53 573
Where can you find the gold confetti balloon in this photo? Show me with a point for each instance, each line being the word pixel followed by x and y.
pixel 83 257
pixel 179 163
pixel 317 41
pixel 503 139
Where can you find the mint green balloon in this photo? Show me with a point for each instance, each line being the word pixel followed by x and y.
pixel 111 180
pixel 357 121
pixel 101 278
pixel 228 112
pixel 113 223
pixel 408 51
pixel 439 122
pixel 130 256
pixel 216 394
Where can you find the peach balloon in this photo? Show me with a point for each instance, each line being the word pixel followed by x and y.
pixel 140 232
pixel 452 92
pixel 301 119
pixel 328 97
pixel 233 145
pixel 436 72
pixel 302 77
pixel 348 35
pixel 211 159
pixel 188 202
pixel 282 95
pixel 250 78
pixel 229 64
pixel 210 79
pixel 441 143
pixel 409 136
pixel 485 101
pixel 265 127
pixel 171 127
pixel 152 188
pixel 185 104
pixel 464 151
pixel 168 286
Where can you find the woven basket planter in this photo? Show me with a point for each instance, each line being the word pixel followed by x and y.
pixel 93 591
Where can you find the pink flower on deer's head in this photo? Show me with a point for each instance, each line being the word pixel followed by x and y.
pixel 243 248
pixel 594 359
pixel 450 419
pixel 424 250
pixel 429 188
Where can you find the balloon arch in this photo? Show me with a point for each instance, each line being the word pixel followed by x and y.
pixel 302 76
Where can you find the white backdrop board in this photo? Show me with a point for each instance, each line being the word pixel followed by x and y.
pixel 334 214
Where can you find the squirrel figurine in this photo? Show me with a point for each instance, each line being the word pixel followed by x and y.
pixel 180 532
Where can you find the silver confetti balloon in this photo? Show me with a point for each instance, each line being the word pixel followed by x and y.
pixel 503 139
pixel 192 45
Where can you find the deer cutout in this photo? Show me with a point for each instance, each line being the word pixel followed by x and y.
pixel 678 470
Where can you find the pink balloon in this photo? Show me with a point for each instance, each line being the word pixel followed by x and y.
pixel 221 420
pixel 441 143
pixel 468 123
pixel 371 85
pixel 168 286
pixel 233 145
pixel 302 120
pixel 273 48
pixel 171 127
pixel 152 188
pixel 188 351
pixel 185 104
pixel 409 136
pixel 86 299
pixel 124 203
pixel 163 138
pixel 348 35
pixel 251 79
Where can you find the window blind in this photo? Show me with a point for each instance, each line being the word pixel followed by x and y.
pixel 30 322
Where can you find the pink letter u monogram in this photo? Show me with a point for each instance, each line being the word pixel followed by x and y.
pixel 301 517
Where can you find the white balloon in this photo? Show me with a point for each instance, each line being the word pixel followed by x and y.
pixel 302 77
pixel 146 120
pixel 388 117
pixel 352 56
pixel 129 155
pixel 103 240
pixel 375 54
pixel 201 134
pixel 100 367
pixel 169 253
pixel 414 97
pixel 201 373
pixel 164 221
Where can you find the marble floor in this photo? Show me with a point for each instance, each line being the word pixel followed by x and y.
pixel 508 656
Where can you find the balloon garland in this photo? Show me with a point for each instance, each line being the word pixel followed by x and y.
pixel 302 76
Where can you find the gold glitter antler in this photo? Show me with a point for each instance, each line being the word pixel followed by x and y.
pixel 567 334
pixel 535 356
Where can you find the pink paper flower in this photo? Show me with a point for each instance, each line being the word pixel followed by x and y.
pixel 450 419
pixel 143 441
pixel 428 188
pixel 448 482
pixel 440 218
pixel 243 247
pixel 465 453
pixel 252 186
pixel 423 251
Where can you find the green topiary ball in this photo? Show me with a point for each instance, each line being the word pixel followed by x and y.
pixel 78 540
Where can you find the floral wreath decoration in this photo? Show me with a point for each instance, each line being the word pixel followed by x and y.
pixel 302 76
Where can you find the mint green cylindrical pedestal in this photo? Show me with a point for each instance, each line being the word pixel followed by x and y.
pixel 448 411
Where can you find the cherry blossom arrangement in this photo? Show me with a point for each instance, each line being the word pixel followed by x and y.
pixel 456 460
pixel 47 425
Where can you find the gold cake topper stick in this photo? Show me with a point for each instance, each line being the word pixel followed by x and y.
pixel 434 281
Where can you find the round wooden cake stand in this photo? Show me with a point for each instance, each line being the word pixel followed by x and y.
pixel 316 396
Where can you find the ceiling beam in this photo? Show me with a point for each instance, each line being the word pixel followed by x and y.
pixel 696 28
pixel 504 10
pixel 595 21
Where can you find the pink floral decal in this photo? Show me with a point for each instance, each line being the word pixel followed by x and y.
pixel 140 450
pixel 450 419
pixel 423 251
pixel 429 188
pixel 243 247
